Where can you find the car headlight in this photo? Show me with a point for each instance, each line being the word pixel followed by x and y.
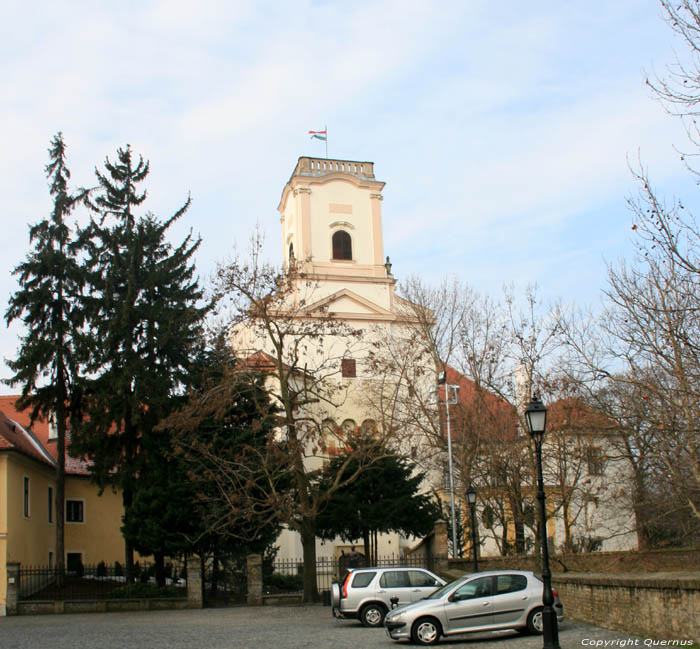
pixel 394 617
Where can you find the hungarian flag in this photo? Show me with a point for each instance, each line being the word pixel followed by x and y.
pixel 317 135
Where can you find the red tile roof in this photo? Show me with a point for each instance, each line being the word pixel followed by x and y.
pixel 13 436
pixel 36 436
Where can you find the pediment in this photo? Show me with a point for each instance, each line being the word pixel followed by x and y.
pixel 349 304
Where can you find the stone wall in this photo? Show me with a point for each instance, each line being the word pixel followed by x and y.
pixel 255 579
pixel 32 607
pixel 195 585
pixel 593 562
pixel 663 606
pixel 433 549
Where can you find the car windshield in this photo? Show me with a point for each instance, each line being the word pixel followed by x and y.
pixel 437 594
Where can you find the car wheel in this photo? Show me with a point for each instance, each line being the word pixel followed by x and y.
pixel 534 621
pixel 372 615
pixel 426 631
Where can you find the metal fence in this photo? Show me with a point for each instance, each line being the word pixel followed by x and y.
pixel 287 575
pixel 95 582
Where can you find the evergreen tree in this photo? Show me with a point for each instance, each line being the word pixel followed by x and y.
pixel 144 320
pixel 222 420
pixel 383 498
pixel 48 303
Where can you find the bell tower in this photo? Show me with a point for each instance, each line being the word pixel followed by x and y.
pixel 332 227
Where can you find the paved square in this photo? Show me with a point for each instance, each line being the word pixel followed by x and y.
pixel 288 627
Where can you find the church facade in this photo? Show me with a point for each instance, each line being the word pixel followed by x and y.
pixel 378 367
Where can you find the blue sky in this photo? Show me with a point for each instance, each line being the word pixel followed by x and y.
pixel 503 130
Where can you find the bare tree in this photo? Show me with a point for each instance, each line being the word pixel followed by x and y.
pixel 498 353
pixel 282 326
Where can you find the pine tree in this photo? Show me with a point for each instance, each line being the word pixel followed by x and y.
pixel 145 319
pixel 48 303
pixel 384 498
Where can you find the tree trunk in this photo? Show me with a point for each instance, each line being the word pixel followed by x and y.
pixel 308 541
pixel 160 568
pixel 127 498
pixel 60 489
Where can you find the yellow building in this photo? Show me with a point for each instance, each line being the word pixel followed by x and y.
pixel 27 502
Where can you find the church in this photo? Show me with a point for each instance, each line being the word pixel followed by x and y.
pixel 368 366
pixel 337 278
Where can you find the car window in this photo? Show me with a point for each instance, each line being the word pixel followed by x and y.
pixel 420 579
pixel 510 583
pixel 362 579
pixel 437 594
pixel 393 579
pixel 476 588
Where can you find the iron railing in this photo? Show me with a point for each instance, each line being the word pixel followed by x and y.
pixel 287 575
pixel 95 582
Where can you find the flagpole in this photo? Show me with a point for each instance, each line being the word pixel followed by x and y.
pixel 325 128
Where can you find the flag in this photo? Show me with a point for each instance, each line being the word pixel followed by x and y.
pixel 318 135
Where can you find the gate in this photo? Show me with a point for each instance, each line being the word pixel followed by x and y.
pixel 225 581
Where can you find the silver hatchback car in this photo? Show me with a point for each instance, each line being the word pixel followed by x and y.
pixel 367 593
pixel 483 601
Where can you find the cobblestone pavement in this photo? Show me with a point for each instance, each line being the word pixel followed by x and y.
pixel 286 627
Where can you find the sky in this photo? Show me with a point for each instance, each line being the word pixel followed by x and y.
pixel 504 131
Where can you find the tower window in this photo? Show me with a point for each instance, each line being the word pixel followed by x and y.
pixel 342 245
pixel 348 369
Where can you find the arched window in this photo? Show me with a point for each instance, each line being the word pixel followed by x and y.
pixel 369 427
pixel 342 245
pixel 291 251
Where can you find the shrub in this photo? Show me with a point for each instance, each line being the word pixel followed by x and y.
pixel 283 583
pixel 145 591
pixel 101 569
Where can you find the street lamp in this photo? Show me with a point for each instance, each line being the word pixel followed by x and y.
pixel 471 499
pixel 449 399
pixel 536 415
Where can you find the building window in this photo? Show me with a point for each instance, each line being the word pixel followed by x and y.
pixel 74 562
pixel 74 511
pixel 342 245
pixel 348 368
pixel 50 504
pixel 594 459
pixel 27 510
pixel 369 427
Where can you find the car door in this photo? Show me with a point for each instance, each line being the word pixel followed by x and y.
pixel 511 598
pixel 394 583
pixel 470 606
pixel 422 583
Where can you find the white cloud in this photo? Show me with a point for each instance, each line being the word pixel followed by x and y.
pixel 488 124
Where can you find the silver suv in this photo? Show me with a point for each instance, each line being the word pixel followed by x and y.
pixel 367 593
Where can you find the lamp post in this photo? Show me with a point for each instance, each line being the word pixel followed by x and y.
pixel 471 499
pixel 442 380
pixel 536 415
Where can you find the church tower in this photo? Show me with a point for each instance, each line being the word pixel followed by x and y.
pixel 332 230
